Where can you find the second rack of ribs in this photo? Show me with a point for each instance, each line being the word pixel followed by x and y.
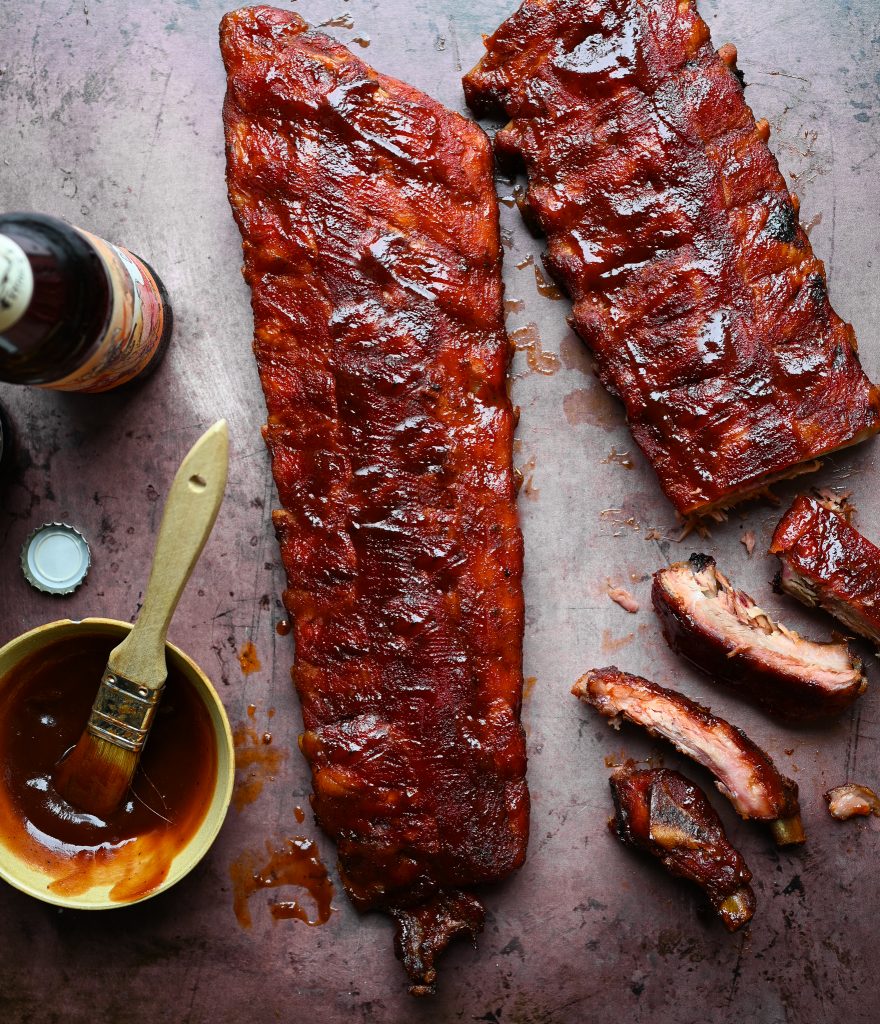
pixel 673 231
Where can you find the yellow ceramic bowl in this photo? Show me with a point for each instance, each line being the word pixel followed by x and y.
pixel 21 873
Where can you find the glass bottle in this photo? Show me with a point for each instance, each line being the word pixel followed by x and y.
pixel 76 313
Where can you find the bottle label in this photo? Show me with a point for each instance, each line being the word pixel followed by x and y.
pixel 16 283
pixel 134 329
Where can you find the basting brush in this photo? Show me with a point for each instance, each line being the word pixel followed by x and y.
pixel 96 774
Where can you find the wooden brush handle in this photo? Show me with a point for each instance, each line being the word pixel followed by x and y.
pixel 190 511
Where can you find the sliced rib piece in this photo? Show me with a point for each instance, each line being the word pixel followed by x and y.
pixel 744 773
pixel 663 813
pixel 851 800
pixel 371 244
pixel 827 562
pixel 671 228
pixel 723 632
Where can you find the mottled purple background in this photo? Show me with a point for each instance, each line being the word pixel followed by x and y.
pixel 110 117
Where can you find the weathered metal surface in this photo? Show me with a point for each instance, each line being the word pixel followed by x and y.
pixel 110 117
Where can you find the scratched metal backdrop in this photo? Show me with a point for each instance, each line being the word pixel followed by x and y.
pixel 110 117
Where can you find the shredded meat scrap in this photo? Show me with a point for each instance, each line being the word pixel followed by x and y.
pixel 744 773
pixel 622 597
pixel 371 244
pixel 827 562
pixel 852 800
pixel 723 632
pixel 661 812
pixel 672 229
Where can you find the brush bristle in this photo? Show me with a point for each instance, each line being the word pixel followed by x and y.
pixel 96 775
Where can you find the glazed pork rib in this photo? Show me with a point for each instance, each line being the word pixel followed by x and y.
pixel 725 634
pixel 827 562
pixel 661 812
pixel 744 773
pixel 671 227
pixel 371 246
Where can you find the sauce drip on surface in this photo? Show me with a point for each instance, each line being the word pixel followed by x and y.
pixel 45 703
pixel 546 287
pixel 247 658
pixel 256 760
pixel 527 339
pixel 297 862
pixel 621 458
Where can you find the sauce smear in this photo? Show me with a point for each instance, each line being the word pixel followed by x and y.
pixel 297 862
pixel 45 703
pixel 256 760
pixel 248 660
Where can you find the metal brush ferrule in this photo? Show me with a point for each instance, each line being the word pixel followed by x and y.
pixel 123 711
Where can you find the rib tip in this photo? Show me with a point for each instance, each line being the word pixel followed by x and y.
pixel 581 688
pixel 788 831
pixel 738 909
pixel 728 53
pixel 423 988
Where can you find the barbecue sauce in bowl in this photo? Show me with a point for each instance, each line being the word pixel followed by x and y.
pixel 44 704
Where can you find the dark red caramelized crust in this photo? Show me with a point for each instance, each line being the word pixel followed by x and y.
pixel 371 245
pixel 827 562
pixel 744 773
pixel 725 634
pixel 671 228
pixel 664 814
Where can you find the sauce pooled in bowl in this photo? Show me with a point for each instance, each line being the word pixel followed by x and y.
pixel 44 705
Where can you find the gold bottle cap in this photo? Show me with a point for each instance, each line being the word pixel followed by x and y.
pixel 55 558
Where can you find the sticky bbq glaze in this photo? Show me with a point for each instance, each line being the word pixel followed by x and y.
pixel 44 704
pixel 826 562
pixel 372 247
pixel 662 813
pixel 672 229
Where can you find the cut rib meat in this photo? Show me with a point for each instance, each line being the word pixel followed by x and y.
pixel 664 814
pixel 827 562
pixel 852 800
pixel 673 231
pixel 723 632
pixel 744 773
pixel 371 244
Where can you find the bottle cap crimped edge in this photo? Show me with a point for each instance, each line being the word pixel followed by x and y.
pixel 55 558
